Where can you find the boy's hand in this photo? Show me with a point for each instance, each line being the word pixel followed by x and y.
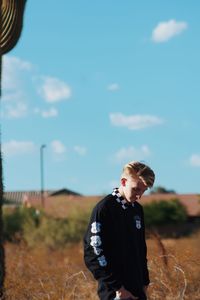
pixel 122 293
pixel 145 287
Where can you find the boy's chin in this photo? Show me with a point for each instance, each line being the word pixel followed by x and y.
pixel 133 199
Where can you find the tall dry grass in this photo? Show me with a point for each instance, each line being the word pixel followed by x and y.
pixel 40 273
pixel 175 274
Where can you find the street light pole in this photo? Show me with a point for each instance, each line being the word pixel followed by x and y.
pixel 42 173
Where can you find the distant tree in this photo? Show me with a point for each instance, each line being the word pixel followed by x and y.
pixel 11 19
pixel 164 212
pixel 161 190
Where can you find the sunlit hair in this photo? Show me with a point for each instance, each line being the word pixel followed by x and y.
pixel 137 169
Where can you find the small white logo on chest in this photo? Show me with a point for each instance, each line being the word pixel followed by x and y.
pixel 137 222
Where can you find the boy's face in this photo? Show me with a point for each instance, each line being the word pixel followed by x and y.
pixel 133 188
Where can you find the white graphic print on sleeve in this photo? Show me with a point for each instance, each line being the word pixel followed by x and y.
pixel 102 261
pixel 97 251
pixel 95 241
pixel 95 227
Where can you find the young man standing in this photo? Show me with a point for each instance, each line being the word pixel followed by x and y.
pixel 114 243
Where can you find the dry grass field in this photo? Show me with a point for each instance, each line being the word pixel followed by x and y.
pixel 41 274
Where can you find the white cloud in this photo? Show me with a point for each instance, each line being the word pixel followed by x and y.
pixel 166 30
pixel 50 113
pixel 14 147
pixel 54 90
pixel 18 76
pixel 194 160
pixel 113 87
pixel 134 122
pixel 14 99
pixel 15 111
pixel 11 71
pixel 80 150
pixel 131 153
pixel 58 147
pixel 12 96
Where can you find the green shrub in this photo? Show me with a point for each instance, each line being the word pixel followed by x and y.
pixel 78 222
pixel 14 221
pixel 35 227
pixel 51 232
pixel 164 212
pixel 55 232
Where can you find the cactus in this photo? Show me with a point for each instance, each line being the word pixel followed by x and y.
pixel 11 21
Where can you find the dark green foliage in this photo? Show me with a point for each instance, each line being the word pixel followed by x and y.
pixel 161 190
pixel 16 220
pixel 34 227
pixel 164 212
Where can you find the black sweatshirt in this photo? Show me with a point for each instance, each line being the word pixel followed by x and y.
pixel 114 244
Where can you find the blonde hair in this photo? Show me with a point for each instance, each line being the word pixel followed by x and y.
pixel 136 168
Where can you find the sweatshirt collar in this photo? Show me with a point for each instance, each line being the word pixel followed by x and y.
pixel 120 199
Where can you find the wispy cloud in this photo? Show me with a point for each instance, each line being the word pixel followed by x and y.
pixel 58 147
pixel 54 90
pixel 131 153
pixel 164 31
pixel 12 96
pixel 194 160
pixel 14 99
pixel 80 150
pixel 134 122
pixel 49 113
pixel 113 87
pixel 15 110
pixel 13 67
pixel 18 76
pixel 14 147
pixel 52 112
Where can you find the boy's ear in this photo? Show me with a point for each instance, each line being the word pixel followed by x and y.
pixel 123 181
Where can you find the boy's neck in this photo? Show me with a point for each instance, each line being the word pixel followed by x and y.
pixel 122 193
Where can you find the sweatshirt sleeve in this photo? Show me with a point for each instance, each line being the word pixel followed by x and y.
pixel 96 248
pixel 145 267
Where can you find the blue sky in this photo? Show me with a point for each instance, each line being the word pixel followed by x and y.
pixel 101 83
